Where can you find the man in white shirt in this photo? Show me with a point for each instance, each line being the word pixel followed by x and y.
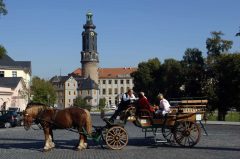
pixel 164 106
pixel 127 99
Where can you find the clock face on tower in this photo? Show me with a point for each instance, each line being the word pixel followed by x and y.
pixel 92 33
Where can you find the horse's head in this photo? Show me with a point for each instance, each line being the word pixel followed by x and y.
pixel 30 114
pixel 27 119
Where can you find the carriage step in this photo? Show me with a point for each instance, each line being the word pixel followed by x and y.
pixel 160 141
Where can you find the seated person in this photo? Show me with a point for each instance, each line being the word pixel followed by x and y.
pixel 164 106
pixel 127 98
pixel 144 104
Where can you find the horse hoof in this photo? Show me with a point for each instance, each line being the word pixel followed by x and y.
pixel 47 150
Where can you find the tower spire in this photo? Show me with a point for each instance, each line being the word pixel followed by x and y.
pixel 89 54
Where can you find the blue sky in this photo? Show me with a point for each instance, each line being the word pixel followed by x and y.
pixel 48 32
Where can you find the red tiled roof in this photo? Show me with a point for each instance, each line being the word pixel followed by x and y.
pixel 111 72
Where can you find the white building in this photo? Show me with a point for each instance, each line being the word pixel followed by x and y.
pixel 13 93
pixel 11 68
pixel 112 83
pixel 15 78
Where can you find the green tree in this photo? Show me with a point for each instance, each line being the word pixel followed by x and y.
pixel 79 102
pixel 3 11
pixel 2 51
pixel 102 103
pixel 227 90
pixel 43 91
pixel 193 72
pixel 172 78
pixel 146 78
pixel 216 45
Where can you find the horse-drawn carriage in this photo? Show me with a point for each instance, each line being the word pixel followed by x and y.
pixel 179 126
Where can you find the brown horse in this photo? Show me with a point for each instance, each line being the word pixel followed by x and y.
pixel 50 118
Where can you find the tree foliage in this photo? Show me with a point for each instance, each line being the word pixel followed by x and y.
pixel 42 91
pixel 2 51
pixel 3 10
pixel 216 45
pixel 146 78
pixel 193 72
pixel 172 78
pixel 79 102
pixel 102 103
pixel 227 90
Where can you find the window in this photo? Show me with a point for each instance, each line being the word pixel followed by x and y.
pixel 116 81
pixel 115 91
pixel 122 90
pixel 88 92
pixel 109 81
pixel 110 91
pixel 69 100
pixel 110 101
pixel 74 93
pixel 80 92
pixel 104 81
pixel 121 81
pixel 1 73
pixel 14 73
pixel 127 81
pixel 103 91
pixel 68 84
pixel 94 92
pixel 69 92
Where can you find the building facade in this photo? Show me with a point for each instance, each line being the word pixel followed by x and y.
pixel 12 68
pixel 113 82
pixel 13 93
pixel 15 79
pixel 68 88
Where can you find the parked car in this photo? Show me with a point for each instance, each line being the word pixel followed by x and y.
pixel 113 107
pixel 9 118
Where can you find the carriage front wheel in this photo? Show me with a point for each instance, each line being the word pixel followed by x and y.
pixel 116 138
pixel 187 133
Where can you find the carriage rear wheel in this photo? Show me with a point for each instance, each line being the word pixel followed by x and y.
pixel 186 133
pixel 116 137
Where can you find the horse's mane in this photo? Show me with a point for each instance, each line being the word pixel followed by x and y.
pixel 31 104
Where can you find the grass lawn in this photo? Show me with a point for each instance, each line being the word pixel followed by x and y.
pixel 231 116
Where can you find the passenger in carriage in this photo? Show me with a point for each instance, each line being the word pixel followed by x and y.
pixel 163 106
pixel 144 104
pixel 126 100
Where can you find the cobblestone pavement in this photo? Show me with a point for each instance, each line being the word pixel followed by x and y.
pixel 223 142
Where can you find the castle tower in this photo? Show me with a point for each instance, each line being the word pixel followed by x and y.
pixel 89 54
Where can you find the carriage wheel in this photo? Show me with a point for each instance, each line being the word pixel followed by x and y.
pixel 186 133
pixel 116 138
pixel 168 133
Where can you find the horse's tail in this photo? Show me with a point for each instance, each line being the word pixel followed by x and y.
pixel 88 122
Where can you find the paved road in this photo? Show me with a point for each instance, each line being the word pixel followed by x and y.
pixel 223 142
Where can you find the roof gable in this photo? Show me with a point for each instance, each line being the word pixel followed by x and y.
pixel 7 62
pixel 9 82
